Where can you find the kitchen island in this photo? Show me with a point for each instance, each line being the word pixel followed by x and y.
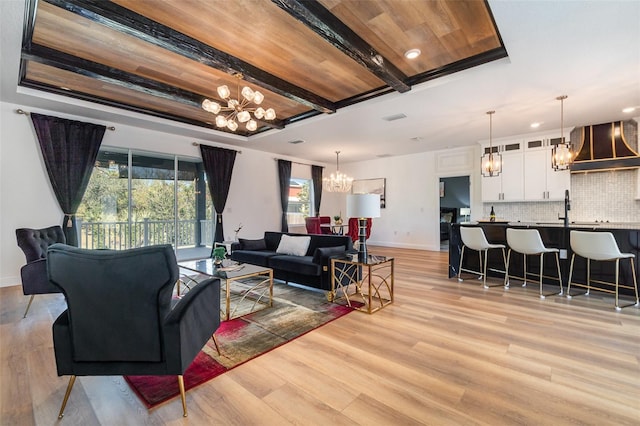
pixel 554 235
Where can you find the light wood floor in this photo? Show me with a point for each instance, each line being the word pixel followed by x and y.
pixel 444 353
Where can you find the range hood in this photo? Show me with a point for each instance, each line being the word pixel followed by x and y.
pixel 607 146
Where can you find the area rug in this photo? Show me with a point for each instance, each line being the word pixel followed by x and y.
pixel 295 311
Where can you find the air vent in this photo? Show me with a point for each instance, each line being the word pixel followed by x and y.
pixel 394 117
pixel 417 139
pixel 297 141
pixel 512 147
pixel 383 155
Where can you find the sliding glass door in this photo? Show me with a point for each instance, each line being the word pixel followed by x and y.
pixel 137 199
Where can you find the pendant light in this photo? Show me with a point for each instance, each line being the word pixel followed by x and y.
pixel 561 154
pixel 491 162
pixel 337 182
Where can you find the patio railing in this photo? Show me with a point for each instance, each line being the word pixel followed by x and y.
pixel 121 235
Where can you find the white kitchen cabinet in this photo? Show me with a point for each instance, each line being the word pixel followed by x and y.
pixel 541 182
pixel 509 184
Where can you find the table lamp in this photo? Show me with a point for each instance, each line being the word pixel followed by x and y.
pixel 363 206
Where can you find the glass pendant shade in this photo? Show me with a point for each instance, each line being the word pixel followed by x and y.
pixel 221 121
pixel 232 125
pixel 223 92
pixel 252 126
pixel 244 116
pixel 259 113
pixel 257 97
pixel 270 114
pixel 247 93
pixel 561 154
pixel 491 162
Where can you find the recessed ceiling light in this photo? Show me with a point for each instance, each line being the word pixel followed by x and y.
pixel 412 53
pixel 535 125
pixel 628 110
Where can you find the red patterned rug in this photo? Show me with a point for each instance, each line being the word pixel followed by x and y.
pixel 295 311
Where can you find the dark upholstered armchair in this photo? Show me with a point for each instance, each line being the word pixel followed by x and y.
pixel 34 244
pixel 121 318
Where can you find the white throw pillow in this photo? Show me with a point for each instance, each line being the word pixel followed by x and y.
pixel 296 246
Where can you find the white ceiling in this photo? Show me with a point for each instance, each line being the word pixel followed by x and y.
pixel 588 50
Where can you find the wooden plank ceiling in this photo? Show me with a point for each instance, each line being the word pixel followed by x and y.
pixel 164 58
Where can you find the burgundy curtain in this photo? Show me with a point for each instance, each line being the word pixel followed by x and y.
pixel 316 176
pixel 218 165
pixel 69 149
pixel 284 174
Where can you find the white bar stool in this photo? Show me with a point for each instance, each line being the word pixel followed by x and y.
pixel 601 246
pixel 528 242
pixel 474 238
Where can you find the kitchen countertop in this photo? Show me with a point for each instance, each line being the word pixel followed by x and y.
pixel 559 224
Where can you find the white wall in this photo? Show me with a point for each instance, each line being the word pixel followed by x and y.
pixel 411 218
pixel 27 200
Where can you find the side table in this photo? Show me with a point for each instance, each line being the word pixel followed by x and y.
pixel 365 286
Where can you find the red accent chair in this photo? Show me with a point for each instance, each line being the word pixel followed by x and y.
pixel 353 228
pixel 325 220
pixel 313 225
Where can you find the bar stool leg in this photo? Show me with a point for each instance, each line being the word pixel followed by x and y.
pixel 480 265
pixel 524 277
pixel 588 277
pixel 484 269
pixel 542 296
pixel 573 257
pixel 635 281
pixel 506 269
pixel 559 274
pixel 460 268
pixel 617 278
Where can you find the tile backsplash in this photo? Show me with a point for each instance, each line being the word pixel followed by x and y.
pixel 609 196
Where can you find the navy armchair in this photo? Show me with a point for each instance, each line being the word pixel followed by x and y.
pixel 34 244
pixel 122 318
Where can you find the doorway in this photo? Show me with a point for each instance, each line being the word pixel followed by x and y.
pixel 454 205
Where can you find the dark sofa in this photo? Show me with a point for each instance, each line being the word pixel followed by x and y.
pixel 312 269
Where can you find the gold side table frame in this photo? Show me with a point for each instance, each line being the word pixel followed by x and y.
pixel 369 284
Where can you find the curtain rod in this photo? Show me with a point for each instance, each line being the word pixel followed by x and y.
pixel 198 144
pixel 21 111
pixel 297 162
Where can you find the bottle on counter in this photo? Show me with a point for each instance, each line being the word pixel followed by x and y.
pixel 492 215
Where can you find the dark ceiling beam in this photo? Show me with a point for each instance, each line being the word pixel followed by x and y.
pixel 334 31
pixel 54 58
pixel 128 22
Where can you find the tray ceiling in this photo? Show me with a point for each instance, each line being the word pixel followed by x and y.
pixel 164 58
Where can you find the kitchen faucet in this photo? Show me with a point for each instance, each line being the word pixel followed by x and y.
pixel 567 207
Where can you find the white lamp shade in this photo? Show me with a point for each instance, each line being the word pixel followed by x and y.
pixel 363 205
pixel 465 211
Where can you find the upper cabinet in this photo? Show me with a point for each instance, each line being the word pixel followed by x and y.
pixel 509 184
pixel 527 174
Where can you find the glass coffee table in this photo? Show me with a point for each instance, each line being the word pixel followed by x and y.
pixel 251 283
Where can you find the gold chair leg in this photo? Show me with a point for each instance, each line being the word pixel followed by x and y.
pixel 183 396
pixel 72 380
pixel 28 305
pixel 215 342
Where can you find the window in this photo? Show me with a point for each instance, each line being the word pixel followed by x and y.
pixel 139 199
pixel 300 201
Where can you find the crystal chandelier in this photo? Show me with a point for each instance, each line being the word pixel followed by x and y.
pixel 239 109
pixel 337 182
pixel 561 154
pixel 491 162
